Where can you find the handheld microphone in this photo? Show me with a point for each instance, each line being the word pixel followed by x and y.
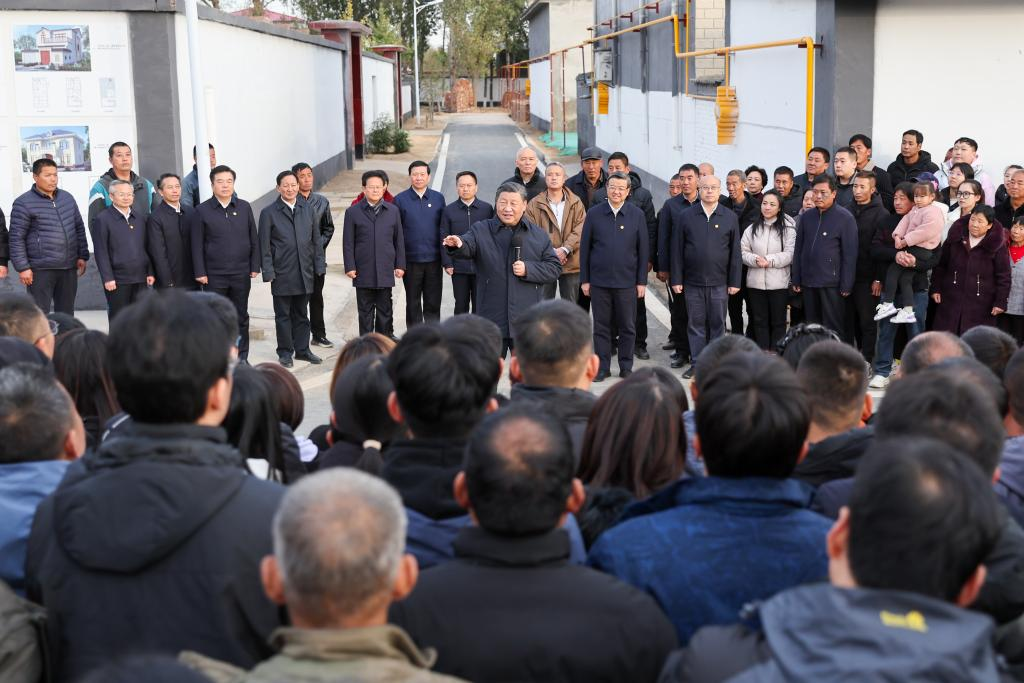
pixel 518 253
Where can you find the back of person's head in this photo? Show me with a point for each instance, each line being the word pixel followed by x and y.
pixel 252 422
pixel 148 668
pixel 518 472
pixel 360 410
pixel 38 421
pixel 553 343
pixel 942 405
pixel 221 306
pixel 991 346
pixel 752 418
pixel 339 543
pixel 635 438
pixel 801 337
pixel 14 350
pixel 165 355
pixel 21 318
pixel 80 363
pixel 835 381
pixel 286 390
pixel 667 379
pixel 477 327
pixel 973 371
pixel 1013 382
pixel 65 322
pixel 370 344
pixel 922 519
pixel 444 379
pixel 716 353
pixel 928 348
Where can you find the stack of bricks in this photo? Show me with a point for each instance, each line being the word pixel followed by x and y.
pixel 709 32
pixel 461 97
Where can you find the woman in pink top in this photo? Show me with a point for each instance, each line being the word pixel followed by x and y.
pixel 919 233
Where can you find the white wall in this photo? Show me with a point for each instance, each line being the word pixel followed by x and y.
pixel 270 102
pixel 378 91
pixel 540 90
pixel 977 67
pixel 660 132
pixel 406 99
pixel 102 99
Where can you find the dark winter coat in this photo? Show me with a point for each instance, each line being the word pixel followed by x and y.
pixel 706 249
pixel 558 621
pixel 836 457
pixel 747 212
pixel 578 185
pixel 825 633
pixel 613 248
pixel 533 188
pixel 502 297
pixel 153 544
pixel 45 233
pixel 322 217
pixel 1010 487
pixel 669 220
pixel 291 248
pixel 570 406
pixel 224 239
pixel 1006 214
pixel 899 171
pixel 456 219
pixel 971 281
pixel 169 241
pixel 792 204
pixel 5 247
pixel 871 218
pixel 641 198
pixel 120 247
pixel 373 244
pixel 826 249
pixel 734 541
pixel 883 183
pixel 146 196
pixel 421 220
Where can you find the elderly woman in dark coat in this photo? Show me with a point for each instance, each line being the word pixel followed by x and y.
pixel 971 284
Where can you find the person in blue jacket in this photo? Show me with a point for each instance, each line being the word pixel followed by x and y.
pixel 456 219
pixel 825 258
pixel 119 240
pixel 421 209
pixel 614 253
pixel 514 260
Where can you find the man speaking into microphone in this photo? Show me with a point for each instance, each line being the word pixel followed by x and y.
pixel 514 259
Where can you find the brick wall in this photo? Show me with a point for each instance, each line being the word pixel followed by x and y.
pixel 708 25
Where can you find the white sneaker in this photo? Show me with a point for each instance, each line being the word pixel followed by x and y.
pixel 879 382
pixel 906 315
pixel 884 310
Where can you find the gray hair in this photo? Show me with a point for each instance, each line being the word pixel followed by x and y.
pixel 520 151
pixel 35 414
pixel 339 537
pixel 620 176
pixel 117 181
pixel 736 173
pixel 510 187
pixel 554 164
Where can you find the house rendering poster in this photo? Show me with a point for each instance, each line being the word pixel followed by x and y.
pixel 68 146
pixel 54 47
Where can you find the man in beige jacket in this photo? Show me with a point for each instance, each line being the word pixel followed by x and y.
pixel 561 213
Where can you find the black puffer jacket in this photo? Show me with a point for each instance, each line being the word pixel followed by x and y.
pixel 153 543
pixel 47 234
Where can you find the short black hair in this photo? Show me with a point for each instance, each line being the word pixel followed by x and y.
pixel 300 166
pixel 929 348
pixel 284 174
pixel 20 317
pixel 1013 382
pixel 519 469
pixel 39 164
pixel 752 418
pixel 974 371
pixel 918 135
pixel 621 156
pixel 165 176
pixel 478 327
pixel 821 150
pixel 443 379
pixel 552 339
pixel 985 210
pixel 35 414
pixel 991 346
pixel 374 174
pixel 825 179
pixel 689 167
pixel 194 150
pixel 119 143
pixel 860 137
pixel 221 168
pixel 848 151
pixel 716 352
pixel 835 380
pixel 922 518
pixel 227 314
pixel 417 164
pixel 754 168
pixel 784 170
pixel 469 173
pixel 968 141
pixel 946 406
pixel 165 353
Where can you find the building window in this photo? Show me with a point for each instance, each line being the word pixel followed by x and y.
pixel 708 27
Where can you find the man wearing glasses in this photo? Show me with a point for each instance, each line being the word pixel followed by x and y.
pixel 825 258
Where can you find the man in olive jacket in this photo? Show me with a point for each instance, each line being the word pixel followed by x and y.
pixel 561 213
pixel 293 255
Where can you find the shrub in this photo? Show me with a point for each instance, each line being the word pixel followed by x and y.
pixel 380 135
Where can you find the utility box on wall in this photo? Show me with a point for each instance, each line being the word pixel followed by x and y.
pixel 604 66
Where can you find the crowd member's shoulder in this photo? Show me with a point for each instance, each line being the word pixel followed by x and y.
pixel 715 654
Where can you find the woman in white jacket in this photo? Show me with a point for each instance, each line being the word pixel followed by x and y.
pixel 767 246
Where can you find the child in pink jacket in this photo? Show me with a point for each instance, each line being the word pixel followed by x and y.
pixel 920 234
